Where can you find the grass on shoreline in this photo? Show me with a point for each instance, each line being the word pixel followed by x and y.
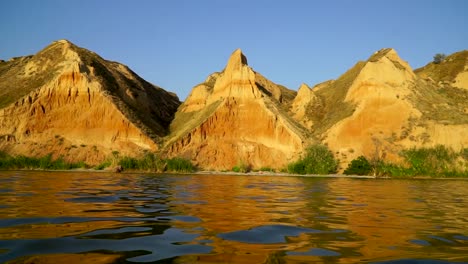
pixel 148 162
pixel 438 161
pixel 44 163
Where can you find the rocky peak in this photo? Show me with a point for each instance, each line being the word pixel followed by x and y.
pixel 305 96
pixel 304 89
pixel 236 61
pixel 241 119
pixel 390 55
pixel 62 43
pixel 58 46
pixel 384 74
pixel 237 80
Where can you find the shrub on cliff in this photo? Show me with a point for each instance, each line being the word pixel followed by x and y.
pixel 439 57
pixel 318 159
pixel 359 166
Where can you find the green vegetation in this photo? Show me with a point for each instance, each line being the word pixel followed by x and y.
pixel 103 165
pixel 242 167
pixel 179 165
pixel 445 105
pixel 436 95
pixel 150 162
pixel 447 71
pixel 439 57
pixel 318 159
pixel 438 161
pixel 359 166
pixel 44 163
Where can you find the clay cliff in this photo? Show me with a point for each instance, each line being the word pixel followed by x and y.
pixel 380 106
pixel 69 101
pixel 237 117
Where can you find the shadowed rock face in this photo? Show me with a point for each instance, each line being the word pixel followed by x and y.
pixel 236 117
pixel 69 101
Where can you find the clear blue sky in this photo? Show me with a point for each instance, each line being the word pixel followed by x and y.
pixel 176 44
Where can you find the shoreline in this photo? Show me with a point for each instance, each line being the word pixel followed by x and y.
pixel 256 173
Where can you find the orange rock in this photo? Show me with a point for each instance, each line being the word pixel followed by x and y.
pixel 243 121
pixel 86 108
pixel 380 107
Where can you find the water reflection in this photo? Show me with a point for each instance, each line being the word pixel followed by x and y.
pixel 234 219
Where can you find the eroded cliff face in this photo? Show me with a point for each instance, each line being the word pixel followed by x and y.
pixel 379 94
pixel 70 102
pixel 84 110
pixel 380 107
pixel 242 121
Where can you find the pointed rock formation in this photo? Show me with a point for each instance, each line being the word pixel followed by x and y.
pixel 379 107
pixel 300 105
pixel 70 102
pixel 237 117
pixel 236 61
pixel 378 96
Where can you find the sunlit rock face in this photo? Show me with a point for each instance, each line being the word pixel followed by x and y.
pixel 237 117
pixel 380 107
pixel 70 102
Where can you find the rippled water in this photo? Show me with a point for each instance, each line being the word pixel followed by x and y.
pixel 104 218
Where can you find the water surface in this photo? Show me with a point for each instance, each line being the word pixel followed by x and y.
pixel 138 218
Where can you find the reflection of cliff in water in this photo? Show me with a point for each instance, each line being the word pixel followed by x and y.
pixel 235 203
pixel 235 219
pixel 66 204
pixel 359 219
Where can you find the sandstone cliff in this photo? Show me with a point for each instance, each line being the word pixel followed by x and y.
pixel 70 102
pixel 380 107
pixel 237 117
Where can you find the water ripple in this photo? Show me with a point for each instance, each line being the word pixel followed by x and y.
pixel 235 219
